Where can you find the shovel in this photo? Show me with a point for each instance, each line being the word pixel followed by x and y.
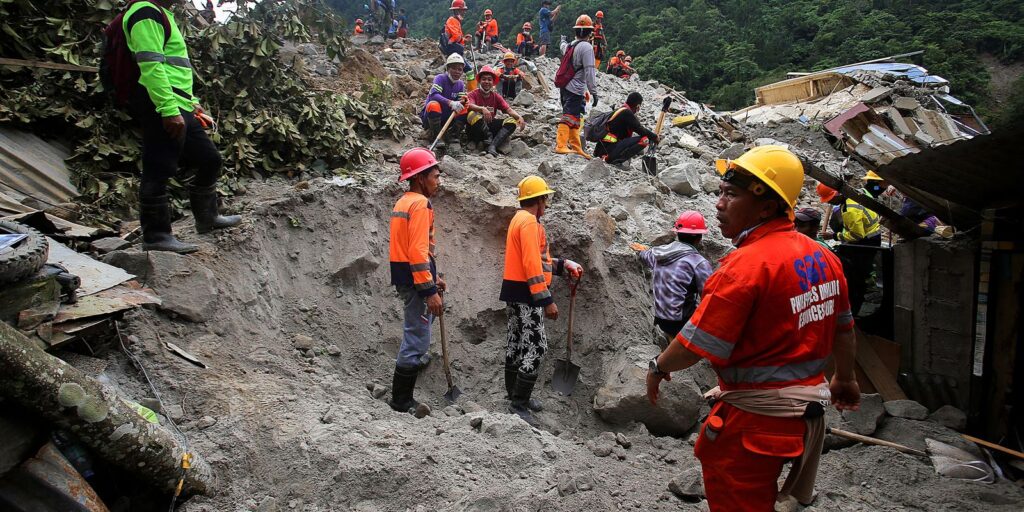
pixel 453 391
pixel 440 135
pixel 650 161
pixel 567 373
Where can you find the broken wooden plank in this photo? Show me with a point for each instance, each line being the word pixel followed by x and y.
pixel 47 65
pixel 876 371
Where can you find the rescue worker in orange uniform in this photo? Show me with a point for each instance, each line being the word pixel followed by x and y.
pixel 510 79
pixel 626 68
pixel 525 290
pixel 452 38
pixel 599 40
pixel 487 31
pixel 524 41
pixel 615 63
pixel 770 319
pixel 359 27
pixel 414 273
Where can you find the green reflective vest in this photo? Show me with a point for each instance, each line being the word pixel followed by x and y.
pixel 165 70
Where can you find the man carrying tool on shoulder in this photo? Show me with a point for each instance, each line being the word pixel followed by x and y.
pixel 414 273
pixel 770 319
pixel 173 127
pixel 679 273
pixel 525 290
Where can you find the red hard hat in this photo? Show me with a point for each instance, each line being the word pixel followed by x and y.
pixel 458 4
pixel 486 70
pixel 826 193
pixel 691 222
pixel 359 22
pixel 527 26
pixel 600 14
pixel 487 12
pixel 415 161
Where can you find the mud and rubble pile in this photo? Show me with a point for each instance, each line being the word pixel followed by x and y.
pixel 295 320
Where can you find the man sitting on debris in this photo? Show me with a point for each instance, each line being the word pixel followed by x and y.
pixel 510 78
pixel 487 32
pixel 524 41
pixel 482 123
pixel 172 128
pixel 414 273
pixel 584 81
pixel 771 318
pixel 807 221
pixel 525 290
pixel 447 95
pixel 679 273
pixel 615 64
pixel 452 38
pixel 625 70
pixel 359 27
pixel 860 236
pixel 620 144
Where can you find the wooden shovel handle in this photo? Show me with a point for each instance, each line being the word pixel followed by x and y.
pixel 572 306
pixel 443 129
pixel 876 442
pixel 444 345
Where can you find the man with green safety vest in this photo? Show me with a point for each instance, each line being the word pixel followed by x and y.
pixel 861 235
pixel 172 127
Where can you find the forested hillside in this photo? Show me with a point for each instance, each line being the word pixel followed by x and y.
pixel 718 51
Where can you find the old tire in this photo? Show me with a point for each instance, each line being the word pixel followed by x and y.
pixel 28 256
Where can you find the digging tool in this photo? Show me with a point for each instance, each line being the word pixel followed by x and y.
pixel 453 391
pixel 567 373
pixel 650 160
pixel 876 442
pixel 440 135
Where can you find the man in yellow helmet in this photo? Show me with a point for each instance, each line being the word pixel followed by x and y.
pixel 525 289
pixel 770 319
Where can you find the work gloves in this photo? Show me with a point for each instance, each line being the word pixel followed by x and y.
pixel 456 106
pixel 638 247
pixel 574 269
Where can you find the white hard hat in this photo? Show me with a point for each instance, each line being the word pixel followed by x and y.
pixel 454 59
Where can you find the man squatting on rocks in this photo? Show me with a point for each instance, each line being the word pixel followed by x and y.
pixel 447 94
pixel 679 273
pixel 525 290
pixel 585 79
pixel 770 318
pixel 172 132
pixel 414 274
pixel 620 144
pixel 484 103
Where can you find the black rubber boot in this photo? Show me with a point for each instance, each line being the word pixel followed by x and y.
pixel 155 217
pixel 511 374
pixel 521 397
pixel 453 136
pixel 434 127
pixel 499 138
pixel 204 209
pixel 402 386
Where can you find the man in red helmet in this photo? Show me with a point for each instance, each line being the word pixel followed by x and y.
pixel 679 273
pixel 452 38
pixel 599 40
pixel 484 103
pixel 359 27
pixel 524 41
pixel 414 273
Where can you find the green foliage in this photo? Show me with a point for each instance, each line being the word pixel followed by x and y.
pixel 269 120
pixel 720 50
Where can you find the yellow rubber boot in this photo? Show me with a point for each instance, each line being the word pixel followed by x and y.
pixel 562 140
pixel 576 144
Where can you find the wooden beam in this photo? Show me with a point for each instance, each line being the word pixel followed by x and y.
pixel 876 370
pixel 46 65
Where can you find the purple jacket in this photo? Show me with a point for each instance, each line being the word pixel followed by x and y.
pixel 677 267
pixel 443 90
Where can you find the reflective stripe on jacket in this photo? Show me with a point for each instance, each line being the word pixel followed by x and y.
pixel 858 222
pixel 411 246
pixel 769 314
pixel 528 263
pixel 164 70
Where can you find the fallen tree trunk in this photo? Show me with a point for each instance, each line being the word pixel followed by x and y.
pixel 105 424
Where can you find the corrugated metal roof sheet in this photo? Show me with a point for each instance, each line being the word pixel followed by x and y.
pixel 957 181
pixel 33 167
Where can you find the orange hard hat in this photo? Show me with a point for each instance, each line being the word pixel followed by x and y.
pixel 600 14
pixel 458 5
pixel 826 193
pixel 691 222
pixel 488 12
pixel 584 21
pixel 415 161
pixel 620 53
pixel 359 22
pixel 527 26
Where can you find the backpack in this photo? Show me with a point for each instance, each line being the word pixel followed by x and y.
pixel 597 127
pixel 566 71
pixel 119 73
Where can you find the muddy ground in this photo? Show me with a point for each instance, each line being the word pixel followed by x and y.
pixel 293 313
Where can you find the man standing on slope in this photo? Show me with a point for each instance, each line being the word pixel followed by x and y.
pixel 525 290
pixel 547 17
pixel 599 40
pixel 172 127
pixel 572 94
pixel 414 274
pixel 771 317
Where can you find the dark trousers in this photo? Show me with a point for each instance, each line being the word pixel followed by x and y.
pixel 509 89
pixel 161 155
pixel 858 260
pixel 622 150
pixel 572 106
pixel 480 130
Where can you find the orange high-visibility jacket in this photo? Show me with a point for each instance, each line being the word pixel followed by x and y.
pixel 528 263
pixel 523 37
pixel 491 28
pixel 359 30
pixel 412 244
pixel 453 28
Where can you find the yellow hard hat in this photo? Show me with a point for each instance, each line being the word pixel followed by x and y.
pixel 872 175
pixel 775 166
pixel 533 186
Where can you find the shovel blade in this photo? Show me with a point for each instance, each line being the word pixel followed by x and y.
pixel 650 164
pixel 565 377
pixel 453 394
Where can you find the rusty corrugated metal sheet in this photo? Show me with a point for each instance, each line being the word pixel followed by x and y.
pixel 957 181
pixel 48 483
pixel 30 166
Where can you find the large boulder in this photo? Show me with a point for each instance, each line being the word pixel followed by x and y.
pixel 908 409
pixel 949 417
pixel 623 397
pixel 867 417
pixel 683 179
